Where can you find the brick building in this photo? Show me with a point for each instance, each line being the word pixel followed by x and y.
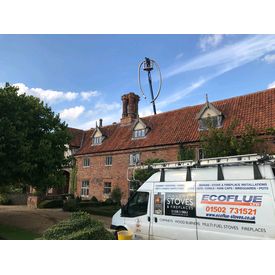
pixel 105 152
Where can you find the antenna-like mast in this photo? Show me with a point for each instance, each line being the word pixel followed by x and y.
pixel 148 66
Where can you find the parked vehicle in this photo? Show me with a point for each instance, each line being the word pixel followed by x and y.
pixel 217 198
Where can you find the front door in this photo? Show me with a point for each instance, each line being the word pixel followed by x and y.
pixel 137 215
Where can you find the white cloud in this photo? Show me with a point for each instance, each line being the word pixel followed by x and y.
pixel 269 58
pixel 271 85
pixel 107 107
pixel 147 111
pixel 210 41
pixel 228 57
pixel 71 114
pixel 89 94
pixel 50 96
pixel 179 56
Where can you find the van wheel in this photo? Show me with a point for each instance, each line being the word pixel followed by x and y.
pixel 119 229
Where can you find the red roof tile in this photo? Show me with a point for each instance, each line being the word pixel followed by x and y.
pixel 181 126
pixel 77 137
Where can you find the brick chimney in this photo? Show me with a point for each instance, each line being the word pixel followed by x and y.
pixel 129 108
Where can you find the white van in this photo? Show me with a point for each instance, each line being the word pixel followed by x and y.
pixel 219 198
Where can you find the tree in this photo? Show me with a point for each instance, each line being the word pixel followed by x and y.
pixel 186 153
pixel 141 175
pixel 219 142
pixel 32 141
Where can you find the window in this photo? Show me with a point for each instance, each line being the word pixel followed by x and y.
pixel 139 133
pixel 137 205
pixel 214 121
pixel 134 158
pixel 84 188
pixel 108 161
pixel 86 162
pixel 107 188
pixel 97 140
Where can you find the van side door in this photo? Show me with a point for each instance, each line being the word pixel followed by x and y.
pixel 173 211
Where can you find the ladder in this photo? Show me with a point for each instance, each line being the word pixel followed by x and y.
pixel 218 161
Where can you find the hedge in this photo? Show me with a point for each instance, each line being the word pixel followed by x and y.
pixel 4 200
pixel 51 204
pixel 80 226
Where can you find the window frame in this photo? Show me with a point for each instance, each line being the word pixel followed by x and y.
pixel 131 155
pixel 216 122
pixel 89 163
pixel 107 161
pixel 97 140
pixel 140 133
pixel 109 188
pixel 86 189
pixel 125 212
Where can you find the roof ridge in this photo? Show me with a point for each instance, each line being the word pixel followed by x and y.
pixel 226 99
pixel 192 106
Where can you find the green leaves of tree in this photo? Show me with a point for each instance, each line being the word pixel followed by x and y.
pixel 32 141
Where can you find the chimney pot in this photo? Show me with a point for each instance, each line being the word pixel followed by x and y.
pixel 129 108
pixel 100 122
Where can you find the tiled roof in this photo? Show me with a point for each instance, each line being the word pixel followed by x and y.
pixel 77 137
pixel 181 126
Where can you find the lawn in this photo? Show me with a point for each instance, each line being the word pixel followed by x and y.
pixel 15 233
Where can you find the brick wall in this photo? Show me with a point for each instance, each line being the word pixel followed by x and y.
pixel 98 173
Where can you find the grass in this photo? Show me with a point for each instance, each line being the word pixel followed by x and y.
pixel 15 233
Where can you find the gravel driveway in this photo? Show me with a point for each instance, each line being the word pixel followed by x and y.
pixel 36 220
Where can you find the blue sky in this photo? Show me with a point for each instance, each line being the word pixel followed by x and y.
pixel 82 77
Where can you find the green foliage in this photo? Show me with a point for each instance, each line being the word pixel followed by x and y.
pixel 32 141
pixel 71 205
pixel 218 142
pixel 141 175
pixel 4 200
pixel 102 210
pixel 8 232
pixel 108 201
pixel 186 153
pixel 116 194
pixel 94 200
pixel 80 226
pixel 51 204
pixel 73 180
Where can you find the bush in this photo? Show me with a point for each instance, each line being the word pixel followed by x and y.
pixel 94 200
pixel 4 200
pixel 51 204
pixel 109 201
pixel 80 226
pixel 116 195
pixel 93 233
pixel 107 210
pixel 71 205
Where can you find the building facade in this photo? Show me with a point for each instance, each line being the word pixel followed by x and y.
pixel 106 152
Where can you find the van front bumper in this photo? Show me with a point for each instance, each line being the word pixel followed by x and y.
pixel 114 227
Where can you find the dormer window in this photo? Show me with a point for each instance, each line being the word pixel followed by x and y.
pixel 214 121
pixel 140 129
pixel 97 137
pixel 139 133
pixel 97 140
pixel 209 116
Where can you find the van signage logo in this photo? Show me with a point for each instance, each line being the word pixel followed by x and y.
pixel 180 204
pixel 243 200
